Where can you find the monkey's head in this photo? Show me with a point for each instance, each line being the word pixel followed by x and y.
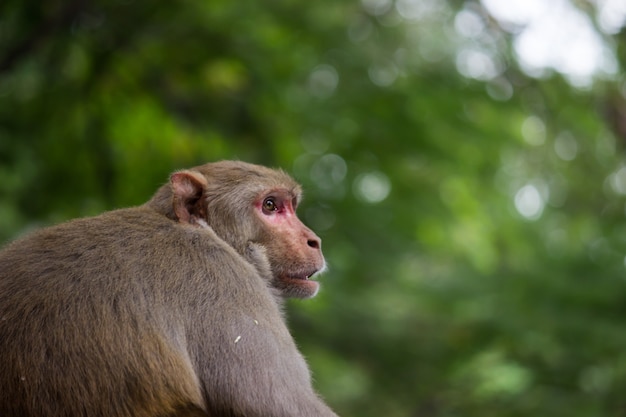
pixel 253 209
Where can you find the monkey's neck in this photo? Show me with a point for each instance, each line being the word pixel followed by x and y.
pixel 161 202
pixel 256 255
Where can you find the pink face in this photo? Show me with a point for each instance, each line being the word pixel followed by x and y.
pixel 294 251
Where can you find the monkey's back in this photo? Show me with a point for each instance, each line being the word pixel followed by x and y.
pixel 80 325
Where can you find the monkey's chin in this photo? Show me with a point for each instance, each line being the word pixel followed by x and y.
pixel 290 287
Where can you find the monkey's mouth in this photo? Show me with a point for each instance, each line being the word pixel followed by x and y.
pixel 298 276
pixel 304 276
pixel 298 284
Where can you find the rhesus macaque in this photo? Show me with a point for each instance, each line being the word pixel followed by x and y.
pixel 171 308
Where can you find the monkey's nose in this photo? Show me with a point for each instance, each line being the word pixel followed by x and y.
pixel 314 243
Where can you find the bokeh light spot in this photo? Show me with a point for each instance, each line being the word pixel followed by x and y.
pixel 529 202
pixel 372 187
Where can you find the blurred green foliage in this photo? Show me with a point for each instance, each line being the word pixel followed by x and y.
pixel 474 227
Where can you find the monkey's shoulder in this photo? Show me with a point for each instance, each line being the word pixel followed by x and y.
pixel 130 238
pixel 112 250
pixel 120 227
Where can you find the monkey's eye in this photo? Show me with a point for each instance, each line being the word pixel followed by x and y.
pixel 269 205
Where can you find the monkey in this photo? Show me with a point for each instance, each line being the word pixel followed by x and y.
pixel 171 308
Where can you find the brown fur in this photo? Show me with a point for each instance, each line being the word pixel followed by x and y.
pixel 167 309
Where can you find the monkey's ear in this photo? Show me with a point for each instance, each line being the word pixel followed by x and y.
pixel 188 188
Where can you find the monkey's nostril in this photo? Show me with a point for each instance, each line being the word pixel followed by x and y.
pixel 315 244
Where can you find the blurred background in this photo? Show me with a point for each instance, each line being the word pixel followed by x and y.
pixel 463 162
